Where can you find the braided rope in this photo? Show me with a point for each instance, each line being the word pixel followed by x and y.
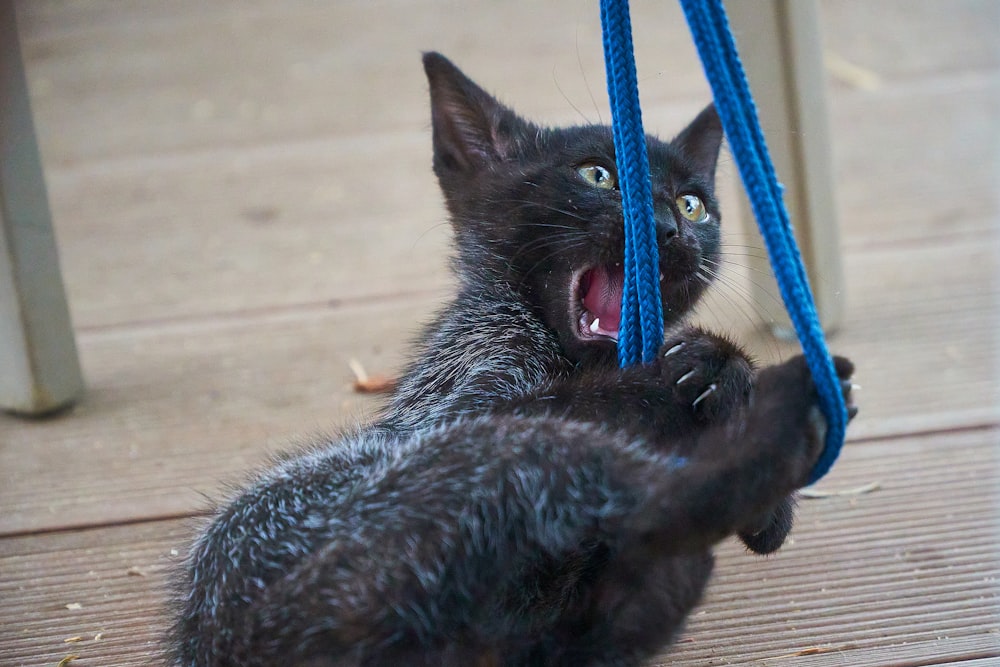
pixel 716 46
pixel 642 310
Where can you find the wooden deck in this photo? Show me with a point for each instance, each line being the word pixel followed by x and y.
pixel 243 199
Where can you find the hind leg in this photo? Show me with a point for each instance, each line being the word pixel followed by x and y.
pixel 648 600
pixel 638 607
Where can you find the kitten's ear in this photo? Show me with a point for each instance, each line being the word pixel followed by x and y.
pixel 471 129
pixel 700 142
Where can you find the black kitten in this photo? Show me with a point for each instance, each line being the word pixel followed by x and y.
pixel 522 500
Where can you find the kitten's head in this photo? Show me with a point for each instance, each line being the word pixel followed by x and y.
pixel 540 209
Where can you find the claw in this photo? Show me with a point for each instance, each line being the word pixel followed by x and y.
pixel 705 394
pixel 675 348
pixel 687 376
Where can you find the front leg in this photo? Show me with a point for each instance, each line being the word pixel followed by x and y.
pixel 698 379
pixel 738 472
pixel 768 533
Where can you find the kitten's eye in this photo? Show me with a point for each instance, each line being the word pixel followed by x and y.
pixel 692 208
pixel 597 176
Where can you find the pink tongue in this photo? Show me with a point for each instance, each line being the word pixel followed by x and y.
pixel 604 295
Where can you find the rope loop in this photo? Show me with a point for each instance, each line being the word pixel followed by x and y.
pixel 641 330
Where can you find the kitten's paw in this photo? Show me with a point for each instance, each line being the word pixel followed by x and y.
pixel 768 534
pixel 788 431
pixel 787 417
pixel 707 372
pixel 816 424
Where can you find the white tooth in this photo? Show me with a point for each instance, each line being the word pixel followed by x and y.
pixel 595 325
pixel 661 276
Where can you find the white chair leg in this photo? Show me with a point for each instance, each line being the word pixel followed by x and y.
pixel 781 47
pixel 39 368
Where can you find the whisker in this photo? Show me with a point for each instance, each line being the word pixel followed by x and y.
pixel 748 246
pixel 762 311
pixel 739 307
pixel 741 251
pixel 767 291
pixel 552 226
pixel 583 73
pixel 427 231
pixel 555 80
pixel 749 235
pixel 757 270
pixel 542 261
pixel 523 203
pixel 706 304
pixel 749 267
pixel 762 254
pixel 567 240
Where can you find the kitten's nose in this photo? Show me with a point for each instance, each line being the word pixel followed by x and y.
pixel 667 226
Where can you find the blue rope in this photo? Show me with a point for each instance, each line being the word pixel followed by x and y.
pixel 642 310
pixel 714 40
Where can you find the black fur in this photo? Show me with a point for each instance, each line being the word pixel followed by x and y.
pixel 521 500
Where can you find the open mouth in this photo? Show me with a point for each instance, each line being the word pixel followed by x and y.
pixel 598 295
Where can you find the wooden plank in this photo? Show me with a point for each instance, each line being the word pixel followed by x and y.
pixel 259 241
pixel 915 162
pixel 255 72
pixel 39 369
pixel 275 73
pixel 173 411
pixel 881 36
pixel 866 576
pixel 116 576
pixel 273 203
pixel 175 408
pixel 946 650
